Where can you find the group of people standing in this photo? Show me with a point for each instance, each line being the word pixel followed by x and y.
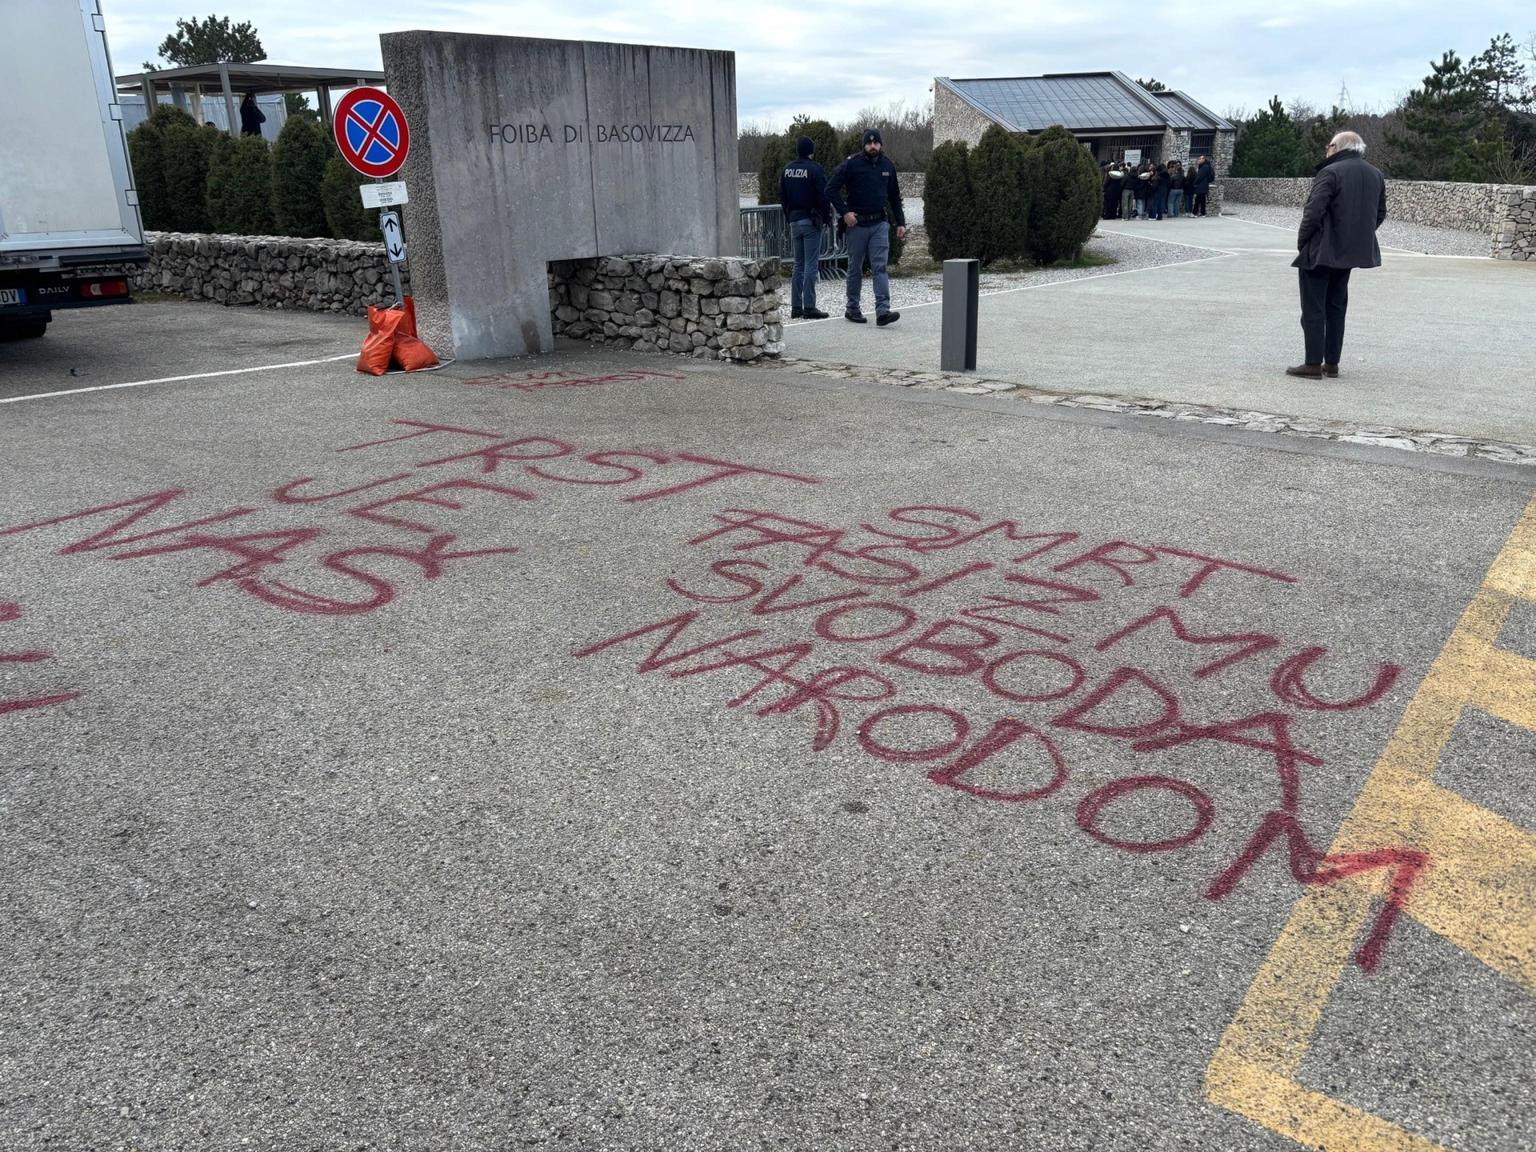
pixel 1152 191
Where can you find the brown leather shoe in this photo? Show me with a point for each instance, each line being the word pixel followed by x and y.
pixel 1309 371
pixel 1330 370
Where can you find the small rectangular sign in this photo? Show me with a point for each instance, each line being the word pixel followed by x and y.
pixel 384 195
pixel 1132 156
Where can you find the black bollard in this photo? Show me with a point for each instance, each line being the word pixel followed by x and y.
pixel 957 342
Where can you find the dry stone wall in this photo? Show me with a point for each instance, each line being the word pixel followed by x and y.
pixel 1514 227
pixel 1505 213
pixel 267 271
pixel 711 309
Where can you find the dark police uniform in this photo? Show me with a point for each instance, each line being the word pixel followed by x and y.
pixel 803 194
pixel 866 187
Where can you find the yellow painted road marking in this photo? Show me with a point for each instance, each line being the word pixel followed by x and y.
pixel 1479 892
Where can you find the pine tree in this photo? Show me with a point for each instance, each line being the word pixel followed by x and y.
pixel 1000 183
pixel 1268 145
pixel 1447 134
pixel 1502 74
pixel 209 42
pixel 1314 135
pixel 776 153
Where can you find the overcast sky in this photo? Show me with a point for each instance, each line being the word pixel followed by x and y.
pixel 833 59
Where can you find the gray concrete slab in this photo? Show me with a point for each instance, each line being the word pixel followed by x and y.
pixel 1437 344
pixel 352 833
pixel 535 150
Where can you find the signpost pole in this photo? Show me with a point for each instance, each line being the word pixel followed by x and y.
pixel 394 269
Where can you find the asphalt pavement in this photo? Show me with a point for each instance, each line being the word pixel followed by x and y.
pixel 610 752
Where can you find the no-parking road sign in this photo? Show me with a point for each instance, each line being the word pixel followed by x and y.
pixel 371 132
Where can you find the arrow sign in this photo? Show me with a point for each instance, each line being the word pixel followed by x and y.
pixel 394 242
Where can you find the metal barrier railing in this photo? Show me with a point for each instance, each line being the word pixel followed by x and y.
pixel 765 235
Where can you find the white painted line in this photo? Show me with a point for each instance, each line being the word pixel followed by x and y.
pixel 1160 240
pixel 1260 223
pixel 179 379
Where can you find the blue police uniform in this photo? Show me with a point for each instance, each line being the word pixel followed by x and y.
pixel 803 194
pixel 867 186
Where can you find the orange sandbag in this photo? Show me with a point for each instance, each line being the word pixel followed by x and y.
pixel 408 325
pixel 379 345
pixel 411 354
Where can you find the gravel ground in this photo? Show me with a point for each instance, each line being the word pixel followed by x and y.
pixel 1394 233
pixel 1128 253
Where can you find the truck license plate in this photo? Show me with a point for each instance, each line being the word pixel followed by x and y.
pixel 12 296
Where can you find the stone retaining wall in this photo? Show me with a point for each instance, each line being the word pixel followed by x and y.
pixel 1514 223
pixel 1505 213
pixel 712 309
pixel 267 271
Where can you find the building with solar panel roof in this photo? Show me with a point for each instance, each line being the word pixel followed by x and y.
pixel 1108 111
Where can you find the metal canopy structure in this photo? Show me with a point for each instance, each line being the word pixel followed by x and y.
pixel 1083 103
pixel 226 79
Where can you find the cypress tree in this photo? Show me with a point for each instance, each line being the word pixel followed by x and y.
pixel 1001 186
pixel 776 153
pixel 345 216
pixel 185 164
pixel 240 187
pixel 298 170
pixel 146 153
pixel 1066 200
pixel 949 204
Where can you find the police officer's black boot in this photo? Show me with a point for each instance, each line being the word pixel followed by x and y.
pixel 815 314
pixel 796 313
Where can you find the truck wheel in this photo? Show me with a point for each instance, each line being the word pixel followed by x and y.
pixel 29 329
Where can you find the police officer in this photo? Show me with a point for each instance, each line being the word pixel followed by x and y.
pixel 803 193
pixel 861 188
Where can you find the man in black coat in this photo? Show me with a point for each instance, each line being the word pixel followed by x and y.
pixel 1347 204
pixel 861 189
pixel 251 117
pixel 803 193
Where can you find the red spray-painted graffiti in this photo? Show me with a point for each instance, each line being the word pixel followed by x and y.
pixel 534 381
pixel 11 611
pixel 827 623
pixel 306 569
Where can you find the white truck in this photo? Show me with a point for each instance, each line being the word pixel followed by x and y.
pixel 69 217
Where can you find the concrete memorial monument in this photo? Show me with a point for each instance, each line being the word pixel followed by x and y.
pixel 526 151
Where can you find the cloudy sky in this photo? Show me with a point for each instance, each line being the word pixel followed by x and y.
pixel 833 59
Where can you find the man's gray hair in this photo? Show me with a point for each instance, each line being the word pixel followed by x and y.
pixel 1349 142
